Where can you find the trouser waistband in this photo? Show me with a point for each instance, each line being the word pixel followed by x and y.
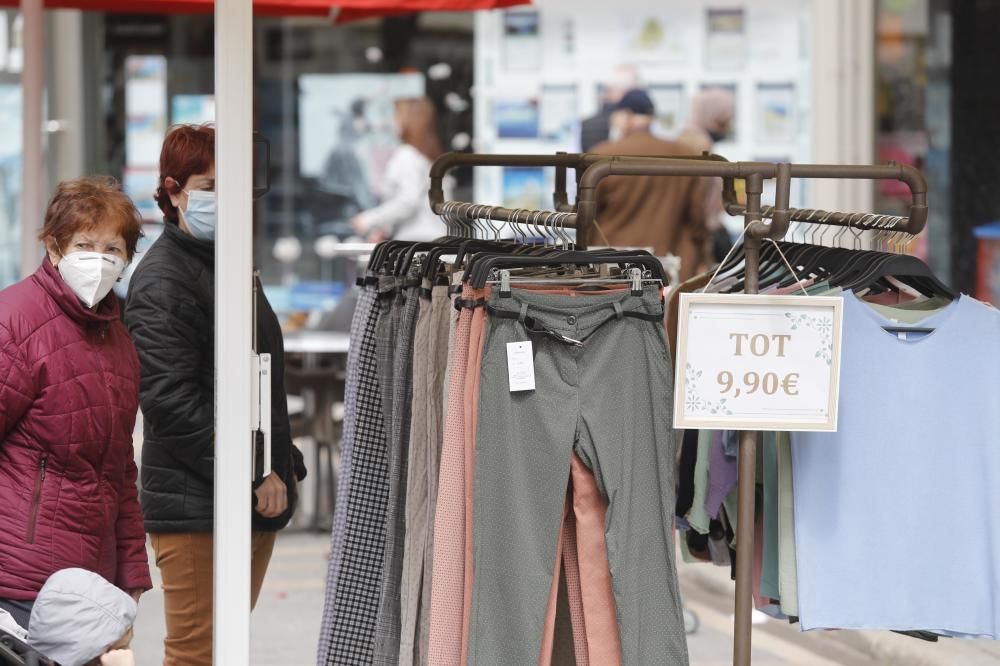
pixel 571 319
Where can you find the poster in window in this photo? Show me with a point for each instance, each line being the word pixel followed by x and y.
pixel 775 113
pixel 522 44
pixel 725 45
pixel 516 118
pixel 11 110
pixel 524 187
pixel 558 116
pixel 145 110
pixel 560 47
pixel 671 108
pixel 661 38
pixel 773 37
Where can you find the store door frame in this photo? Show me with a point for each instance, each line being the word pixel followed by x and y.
pixel 233 324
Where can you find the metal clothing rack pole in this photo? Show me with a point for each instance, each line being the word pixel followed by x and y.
pixel 913 224
pixel 561 161
pixel 753 173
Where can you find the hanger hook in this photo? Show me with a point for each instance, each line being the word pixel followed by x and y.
pixel 536 230
pixel 550 234
pixel 513 216
pixel 843 230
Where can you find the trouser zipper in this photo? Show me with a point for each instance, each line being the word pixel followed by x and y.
pixel 36 498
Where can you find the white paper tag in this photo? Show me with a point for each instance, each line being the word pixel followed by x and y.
pixel 520 366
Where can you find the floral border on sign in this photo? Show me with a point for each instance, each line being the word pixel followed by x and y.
pixel 694 403
pixel 823 325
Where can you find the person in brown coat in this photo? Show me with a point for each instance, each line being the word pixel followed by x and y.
pixel 664 213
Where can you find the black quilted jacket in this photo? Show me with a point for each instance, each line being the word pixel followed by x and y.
pixel 170 314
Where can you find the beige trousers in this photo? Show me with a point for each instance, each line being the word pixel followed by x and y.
pixel 185 563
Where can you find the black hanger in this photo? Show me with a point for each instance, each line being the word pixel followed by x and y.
pixel 907 269
pixel 406 259
pixel 380 255
pixel 481 273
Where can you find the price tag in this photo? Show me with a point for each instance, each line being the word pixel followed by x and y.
pixel 758 362
pixel 520 366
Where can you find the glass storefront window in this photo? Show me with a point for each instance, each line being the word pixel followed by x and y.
pixel 10 147
pixel 324 101
pixel 913 116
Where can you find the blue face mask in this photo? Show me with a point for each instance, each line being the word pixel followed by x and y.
pixel 200 214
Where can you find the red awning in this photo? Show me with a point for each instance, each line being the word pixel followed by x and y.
pixel 355 10
pixel 261 7
pixel 350 10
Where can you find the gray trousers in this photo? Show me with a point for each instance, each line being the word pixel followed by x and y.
pixel 416 489
pixel 387 630
pixel 608 400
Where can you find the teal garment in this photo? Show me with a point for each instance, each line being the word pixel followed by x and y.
pixel 769 570
pixel 787 572
pixel 818 289
pixel 698 517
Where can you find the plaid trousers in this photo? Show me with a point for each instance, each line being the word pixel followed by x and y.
pixel 359 323
pixel 360 574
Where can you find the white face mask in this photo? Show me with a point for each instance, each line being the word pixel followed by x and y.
pixel 200 214
pixel 90 275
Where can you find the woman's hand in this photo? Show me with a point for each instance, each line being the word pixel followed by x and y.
pixel 135 594
pixel 272 496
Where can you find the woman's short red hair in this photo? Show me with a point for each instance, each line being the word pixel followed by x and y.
pixel 187 150
pixel 82 204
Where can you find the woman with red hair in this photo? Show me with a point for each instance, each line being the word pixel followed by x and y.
pixel 69 384
pixel 405 213
pixel 171 315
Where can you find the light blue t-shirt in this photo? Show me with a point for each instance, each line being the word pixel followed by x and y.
pixel 897 515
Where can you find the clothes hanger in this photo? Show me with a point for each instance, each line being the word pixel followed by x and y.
pixel 908 269
pixel 480 273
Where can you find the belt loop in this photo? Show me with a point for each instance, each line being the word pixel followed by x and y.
pixel 618 310
pixel 524 313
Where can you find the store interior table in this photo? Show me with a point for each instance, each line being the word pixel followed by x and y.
pixel 315 373
pixel 317 342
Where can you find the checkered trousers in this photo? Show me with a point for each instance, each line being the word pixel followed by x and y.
pixel 350 639
pixel 362 312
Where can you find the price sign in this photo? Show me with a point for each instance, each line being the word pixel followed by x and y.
pixel 757 362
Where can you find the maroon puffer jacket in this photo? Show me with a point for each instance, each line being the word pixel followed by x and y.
pixel 69 390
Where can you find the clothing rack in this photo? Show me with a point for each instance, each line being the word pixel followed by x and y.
pixel 592 169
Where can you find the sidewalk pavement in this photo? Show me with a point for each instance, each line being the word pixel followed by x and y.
pixel 285 626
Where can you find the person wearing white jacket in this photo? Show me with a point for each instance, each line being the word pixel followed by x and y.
pixel 404 213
